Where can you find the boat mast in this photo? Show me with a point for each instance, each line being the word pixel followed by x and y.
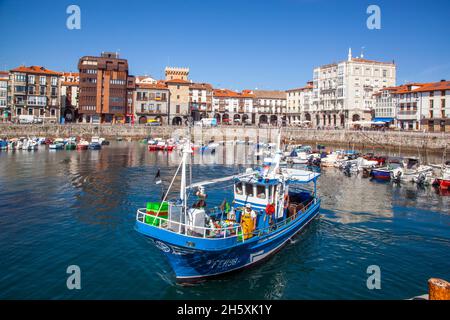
pixel 277 156
pixel 187 150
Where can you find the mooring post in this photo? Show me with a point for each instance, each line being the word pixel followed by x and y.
pixel 438 289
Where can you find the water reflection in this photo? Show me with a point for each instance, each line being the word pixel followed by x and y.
pixel 79 207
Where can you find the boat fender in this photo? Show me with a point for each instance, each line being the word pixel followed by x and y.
pixel 286 201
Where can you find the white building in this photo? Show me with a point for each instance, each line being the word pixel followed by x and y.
pixel 385 106
pixel 298 103
pixel 343 92
pixel 231 106
pixel 200 100
pixel 4 112
pixel 415 106
pixel 424 107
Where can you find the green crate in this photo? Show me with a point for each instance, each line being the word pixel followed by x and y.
pixel 154 220
pixel 154 206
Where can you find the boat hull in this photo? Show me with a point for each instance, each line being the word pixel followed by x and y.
pixel 193 264
pixel 82 146
pixel 381 174
pixel 444 184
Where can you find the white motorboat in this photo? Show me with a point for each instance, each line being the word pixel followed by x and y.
pixel 366 164
pixel 331 159
pixel 411 171
pixel 32 145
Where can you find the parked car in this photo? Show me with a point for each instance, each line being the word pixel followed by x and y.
pixel 25 119
pixel 153 122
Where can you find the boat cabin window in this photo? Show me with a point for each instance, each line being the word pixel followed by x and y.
pixel 239 188
pixel 249 189
pixel 261 192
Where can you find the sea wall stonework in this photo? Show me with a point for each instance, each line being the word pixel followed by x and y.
pixel 350 138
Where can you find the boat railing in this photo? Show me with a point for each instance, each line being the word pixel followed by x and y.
pixel 273 227
pixel 191 230
pixel 217 232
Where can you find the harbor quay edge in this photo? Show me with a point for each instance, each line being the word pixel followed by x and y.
pixel 436 141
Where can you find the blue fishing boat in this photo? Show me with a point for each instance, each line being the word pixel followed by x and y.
pixel 381 173
pixel 270 206
pixel 94 146
pixel 385 173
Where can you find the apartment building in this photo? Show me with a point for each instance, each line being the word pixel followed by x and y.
pixel 70 82
pixel 385 107
pixel 424 106
pixel 298 103
pixel 105 85
pixel 151 101
pixel 200 100
pixel 270 106
pixel 415 106
pixel 35 91
pixel 5 114
pixel 343 92
pixel 230 106
pixel 407 113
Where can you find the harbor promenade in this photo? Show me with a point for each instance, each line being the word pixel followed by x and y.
pixel 404 140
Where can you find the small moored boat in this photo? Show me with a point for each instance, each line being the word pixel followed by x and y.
pixel 94 146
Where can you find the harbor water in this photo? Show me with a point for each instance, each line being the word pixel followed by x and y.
pixel 63 208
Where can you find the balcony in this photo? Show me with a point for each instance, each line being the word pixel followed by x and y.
pixel 148 112
pixel 407 115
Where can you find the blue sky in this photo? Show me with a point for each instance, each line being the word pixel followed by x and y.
pixel 230 44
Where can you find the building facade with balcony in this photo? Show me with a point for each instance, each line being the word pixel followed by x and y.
pixel 35 91
pixel 343 92
pixel 104 89
pixel 200 100
pixel 433 105
pixel 270 107
pixel 5 113
pixel 407 107
pixel 233 107
pixel 415 106
pixel 131 87
pixel 385 106
pixel 151 101
pixel 298 103
pixel 70 82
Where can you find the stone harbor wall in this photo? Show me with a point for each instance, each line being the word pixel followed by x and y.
pixel 345 138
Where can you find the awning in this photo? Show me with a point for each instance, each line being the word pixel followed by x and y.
pixel 383 119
